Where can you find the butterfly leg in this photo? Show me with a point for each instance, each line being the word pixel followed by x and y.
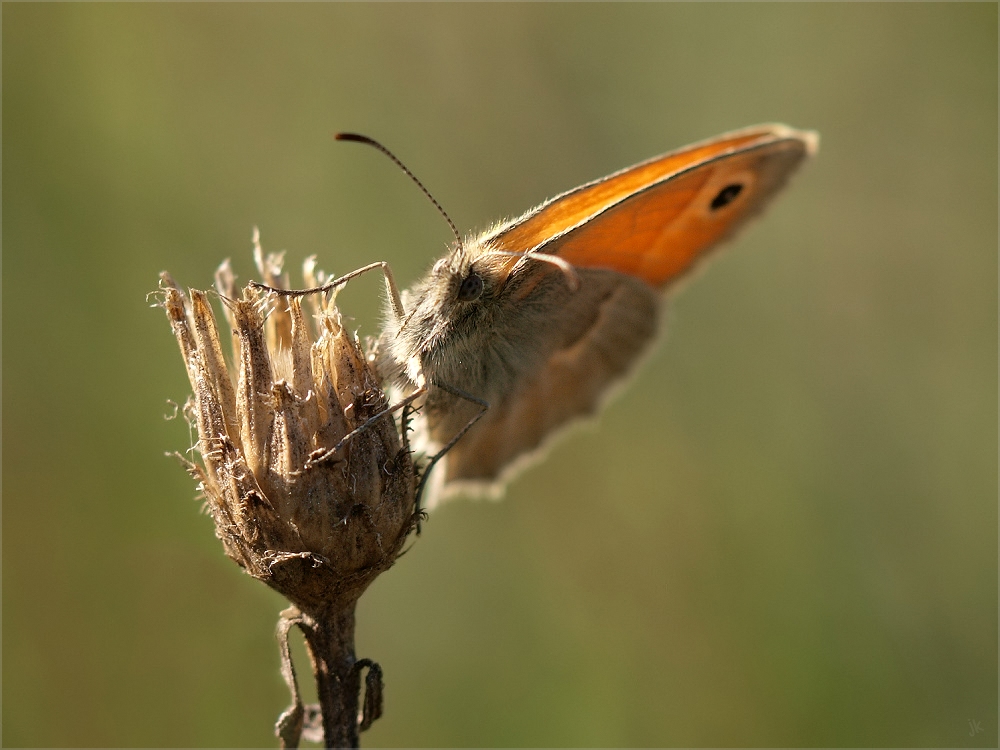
pixel 483 407
pixel 326 454
pixel 390 285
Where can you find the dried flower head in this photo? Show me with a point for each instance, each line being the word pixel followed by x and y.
pixel 312 515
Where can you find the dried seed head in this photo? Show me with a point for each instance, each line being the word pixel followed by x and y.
pixel 316 524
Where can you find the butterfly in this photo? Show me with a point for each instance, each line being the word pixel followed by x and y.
pixel 537 318
pixel 519 331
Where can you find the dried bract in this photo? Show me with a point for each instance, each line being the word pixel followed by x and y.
pixel 314 521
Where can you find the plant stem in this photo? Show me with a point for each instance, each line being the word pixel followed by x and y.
pixel 330 640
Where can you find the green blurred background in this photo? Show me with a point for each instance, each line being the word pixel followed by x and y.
pixel 783 533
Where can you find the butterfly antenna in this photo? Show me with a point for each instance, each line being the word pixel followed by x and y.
pixel 357 138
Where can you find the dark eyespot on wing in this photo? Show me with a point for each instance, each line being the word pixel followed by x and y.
pixel 726 196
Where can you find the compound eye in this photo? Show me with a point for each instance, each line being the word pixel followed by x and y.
pixel 471 288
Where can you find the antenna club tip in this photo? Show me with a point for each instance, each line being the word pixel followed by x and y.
pixel 352 137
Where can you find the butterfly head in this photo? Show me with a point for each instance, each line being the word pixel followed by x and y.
pixel 448 311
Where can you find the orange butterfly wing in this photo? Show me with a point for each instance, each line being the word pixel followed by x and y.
pixel 653 220
pixel 649 222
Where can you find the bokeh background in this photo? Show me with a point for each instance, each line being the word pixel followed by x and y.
pixel 783 533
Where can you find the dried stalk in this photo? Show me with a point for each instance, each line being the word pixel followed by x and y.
pixel 305 473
